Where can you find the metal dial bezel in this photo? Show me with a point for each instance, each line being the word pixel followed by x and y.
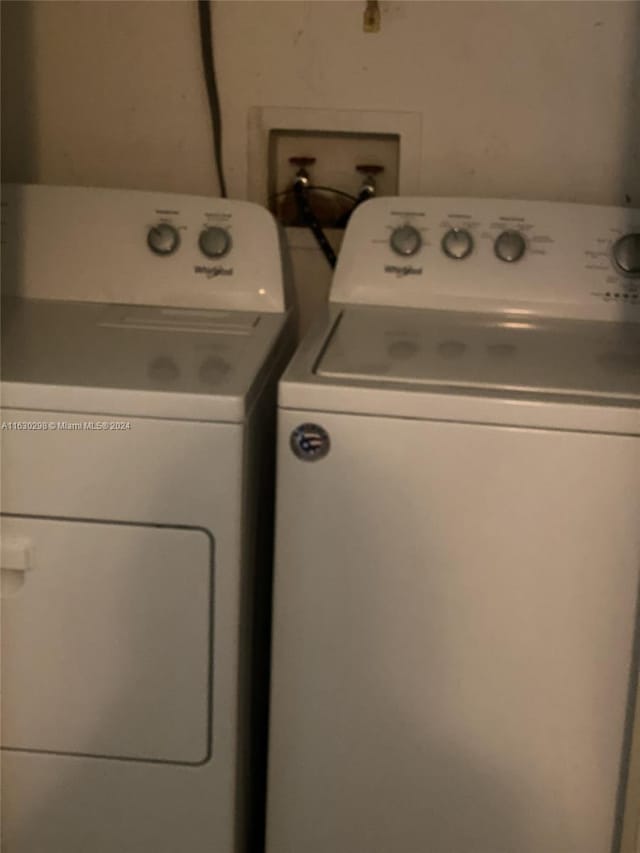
pixel 522 253
pixel 407 226
pixel 223 231
pixel 470 247
pixel 616 265
pixel 175 234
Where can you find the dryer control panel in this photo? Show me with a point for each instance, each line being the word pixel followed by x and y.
pixel 134 247
pixel 541 258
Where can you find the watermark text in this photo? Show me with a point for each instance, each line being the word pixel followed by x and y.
pixel 64 426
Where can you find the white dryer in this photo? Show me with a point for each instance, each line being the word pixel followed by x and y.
pixel 142 338
pixel 455 641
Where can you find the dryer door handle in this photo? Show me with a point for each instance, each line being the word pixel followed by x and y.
pixel 15 560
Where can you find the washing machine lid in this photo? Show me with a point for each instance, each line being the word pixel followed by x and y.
pixel 511 369
pixel 451 351
pixel 134 360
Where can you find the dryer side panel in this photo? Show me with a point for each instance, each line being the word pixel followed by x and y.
pixel 454 622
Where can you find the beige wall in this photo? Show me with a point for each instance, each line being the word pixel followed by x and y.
pixel 517 98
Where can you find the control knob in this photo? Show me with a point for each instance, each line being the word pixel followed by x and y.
pixel 163 239
pixel 509 246
pixel 626 254
pixel 214 241
pixel 457 243
pixel 405 240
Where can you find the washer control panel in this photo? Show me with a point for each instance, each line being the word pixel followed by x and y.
pixel 547 258
pixel 163 249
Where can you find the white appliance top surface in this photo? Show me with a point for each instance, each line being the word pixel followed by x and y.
pixel 427 364
pixel 133 360
pixel 451 350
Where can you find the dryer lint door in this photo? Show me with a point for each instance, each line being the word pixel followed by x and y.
pixel 106 639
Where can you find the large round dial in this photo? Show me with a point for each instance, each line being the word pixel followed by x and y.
pixel 214 241
pixel 626 254
pixel 457 243
pixel 405 240
pixel 163 239
pixel 509 246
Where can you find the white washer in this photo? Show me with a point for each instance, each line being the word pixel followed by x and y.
pixel 458 536
pixel 143 336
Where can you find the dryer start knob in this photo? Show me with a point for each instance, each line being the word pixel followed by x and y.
pixel 405 240
pixel 214 241
pixel 626 254
pixel 509 246
pixel 163 239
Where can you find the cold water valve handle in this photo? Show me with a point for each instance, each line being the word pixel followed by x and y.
pixel 369 187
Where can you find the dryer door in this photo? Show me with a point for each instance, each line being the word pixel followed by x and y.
pixel 106 639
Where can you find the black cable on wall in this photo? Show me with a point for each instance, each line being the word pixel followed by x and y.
pixel 209 70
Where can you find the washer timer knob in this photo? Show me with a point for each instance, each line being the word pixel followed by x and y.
pixel 163 239
pixel 626 254
pixel 214 241
pixel 457 243
pixel 509 246
pixel 405 240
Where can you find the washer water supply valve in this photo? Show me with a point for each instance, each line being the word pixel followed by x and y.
pixel 309 205
pixel 368 189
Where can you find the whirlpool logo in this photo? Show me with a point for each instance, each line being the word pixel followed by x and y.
pixel 212 272
pixel 400 272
